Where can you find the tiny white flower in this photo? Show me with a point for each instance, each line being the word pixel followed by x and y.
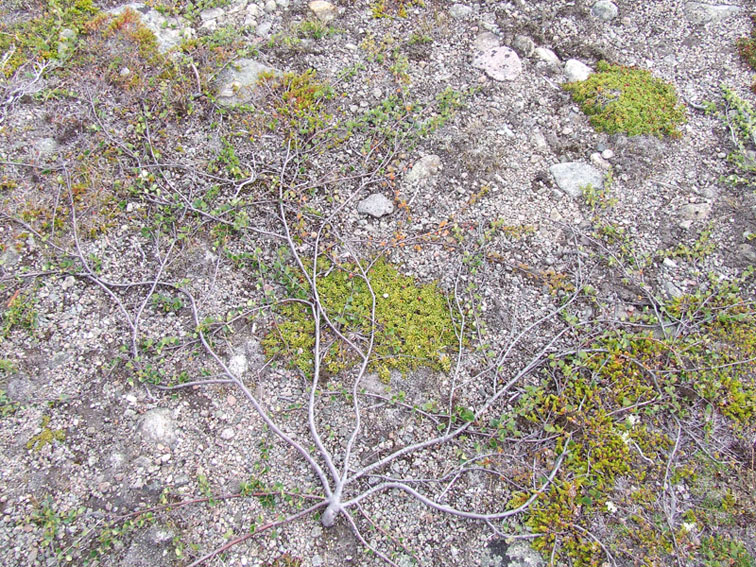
pixel 633 419
pixel 625 437
pixel 385 296
pixel 688 526
pixel 611 507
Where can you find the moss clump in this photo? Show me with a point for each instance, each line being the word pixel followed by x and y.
pixel 629 100
pixel 46 436
pixel 40 37
pixel 413 326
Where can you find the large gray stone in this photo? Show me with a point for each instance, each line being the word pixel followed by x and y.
pixel 324 11
pixel 547 56
pixel 157 426
pixel 499 63
pixel 575 70
pixel 702 13
pixel 604 10
pixel 747 252
pixel 376 205
pixel 485 40
pixel 424 168
pixel 695 211
pixel 572 177
pixel 523 45
pixel 237 83
pixel 460 11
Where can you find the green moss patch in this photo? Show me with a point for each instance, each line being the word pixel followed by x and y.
pixel 46 436
pixel 413 326
pixel 629 100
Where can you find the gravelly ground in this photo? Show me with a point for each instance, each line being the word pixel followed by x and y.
pixel 125 444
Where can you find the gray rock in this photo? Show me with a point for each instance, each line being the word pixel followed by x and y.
pixel 424 168
pixel 211 14
pixel 599 161
pixel 68 283
pixel 460 11
pixel 46 146
pixel 669 263
pixel 575 70
pixel 499 553
pixel 499 63
pixel 20 389
pixel 270 6
pixel 157 426
pixel 604 10
pixel 264 28
pixel 701 13
pixel 209 26
pixel 747 252
pixel 523 45
pixel 10 257
pixel 547 56
pixel 238 365
pixel 324 11
pixel 237 83
pixel 376 205
pixel 169 31
pixel 695 212
pixel 486 41
pixel 671 289
pixel 572 177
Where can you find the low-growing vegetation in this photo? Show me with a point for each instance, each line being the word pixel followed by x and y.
pixel 410 324
pixel 747 48
pixel 535 377
pixel 629 100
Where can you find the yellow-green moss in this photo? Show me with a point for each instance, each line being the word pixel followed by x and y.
pixel 629 100
pixel 46 436
pixel 413 326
